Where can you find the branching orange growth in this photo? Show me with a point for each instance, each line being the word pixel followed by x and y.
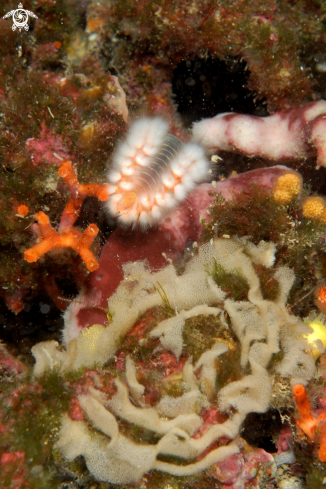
pixel 67 236
pixel 78 192
pixel 51 240
pixel 307 422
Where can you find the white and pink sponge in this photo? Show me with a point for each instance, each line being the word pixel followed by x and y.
pixel 291 134
pixel 262 327
pixel 152 172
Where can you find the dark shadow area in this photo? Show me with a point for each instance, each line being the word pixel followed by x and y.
pixel 93 212
pixel 259 430
pixel 40 320
pixel 206 87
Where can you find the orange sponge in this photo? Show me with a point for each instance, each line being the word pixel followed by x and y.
pixel 67 236
pixel 22 210
pixel 322 445
pixel 78 192
pixel 51 240
pixel 307 422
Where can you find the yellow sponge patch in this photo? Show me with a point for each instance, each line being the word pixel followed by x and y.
pixel 287 187
pixel 314 208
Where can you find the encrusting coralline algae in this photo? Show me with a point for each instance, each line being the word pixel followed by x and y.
pixel 263 328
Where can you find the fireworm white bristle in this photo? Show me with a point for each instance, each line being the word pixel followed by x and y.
pixel 152 171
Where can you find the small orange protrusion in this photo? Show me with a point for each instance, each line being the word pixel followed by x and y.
pixel 67 172
pixel 44 223
pixel 302 400
pixel 57 44
pixel 306 422
pixel 95 190
pixel 322 442
pixel 94 24
pixel 320 296
pixel 22 210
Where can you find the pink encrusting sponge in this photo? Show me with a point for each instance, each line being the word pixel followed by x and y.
pixel 151 172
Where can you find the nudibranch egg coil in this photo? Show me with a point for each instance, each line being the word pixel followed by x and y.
pixel 151 172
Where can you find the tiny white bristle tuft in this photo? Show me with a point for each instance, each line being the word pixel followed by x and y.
pixel 126 151
pixel 169 201
pixel 129 218
pixel 147 131
pixel 125 185
pixel 114 176
pixel 151 172
pixel 168 180
pixel 111 206
pixel 141 159
pixel 156 213
pixel 149 150
pixel 112 189
pixel 127 162
pixel 115 198
pixel 177 169
pixel 159 197
pixel 188 182
pixel 145 219
pixel 146 202
pixel 180 192
pixel 157 130
pixel 128 171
